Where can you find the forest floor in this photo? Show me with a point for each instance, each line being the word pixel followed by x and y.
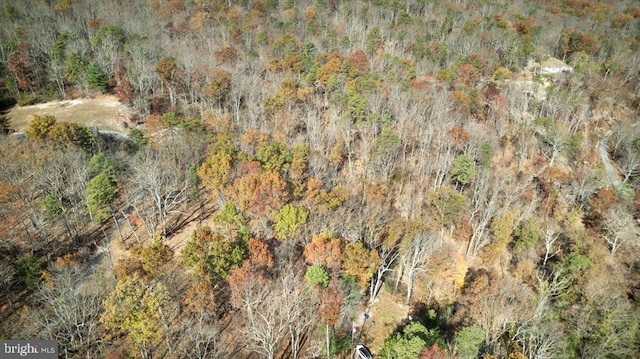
pixel 387 312
pixel 104 112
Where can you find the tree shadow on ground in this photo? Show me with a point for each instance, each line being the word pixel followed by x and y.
pixel 5 123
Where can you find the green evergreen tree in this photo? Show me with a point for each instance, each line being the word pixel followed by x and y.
pixel 52 206
pixel 101 191
pixel 317 275
pixel 96 78
pixel 468 341
pixel 463 169
pixel 374 40
pixel 101 163
pixel 29 269
pixel 137 139
pixel 74 67
pixel 486 153
pixel 410 341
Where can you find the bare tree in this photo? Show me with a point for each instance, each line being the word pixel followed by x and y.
pixel 266 319
pixel 568 105
pixel 162 177
pixel 7 280
pixel 617 232
pixel 495 303
pixel 538 335
pixel 201 339
pixel 541 339
pixel 491 194
pixel 299 310
pixel 21 191
pixel 552 142
pixel 388 257
pixel 415 250
pixel 550 249
pixel 626 150
pixel 65 176
pixel 70 312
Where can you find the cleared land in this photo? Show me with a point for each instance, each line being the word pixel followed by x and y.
pixel 104 112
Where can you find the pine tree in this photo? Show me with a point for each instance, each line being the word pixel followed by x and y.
pixel 96 78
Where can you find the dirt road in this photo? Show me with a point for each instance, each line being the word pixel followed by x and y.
pixel 612 173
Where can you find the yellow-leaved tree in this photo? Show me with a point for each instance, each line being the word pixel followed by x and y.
pixel 134 309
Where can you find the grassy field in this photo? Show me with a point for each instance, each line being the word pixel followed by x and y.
pixel 104 112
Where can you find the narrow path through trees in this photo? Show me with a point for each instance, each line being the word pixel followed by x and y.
pixel 612 173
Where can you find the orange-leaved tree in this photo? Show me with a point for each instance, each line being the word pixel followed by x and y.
pixel 245 280
pixel 257 192
pixel 324 250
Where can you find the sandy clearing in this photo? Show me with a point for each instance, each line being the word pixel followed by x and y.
pixel 104 112
pixel 54 104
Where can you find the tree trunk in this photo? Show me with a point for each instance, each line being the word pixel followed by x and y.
pixel 410 285
pixel 398 278
pixel 328 344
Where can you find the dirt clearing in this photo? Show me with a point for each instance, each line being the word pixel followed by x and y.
pixel 387 313
pixel 104 112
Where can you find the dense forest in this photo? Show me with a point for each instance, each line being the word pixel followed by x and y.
pixel 432 179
